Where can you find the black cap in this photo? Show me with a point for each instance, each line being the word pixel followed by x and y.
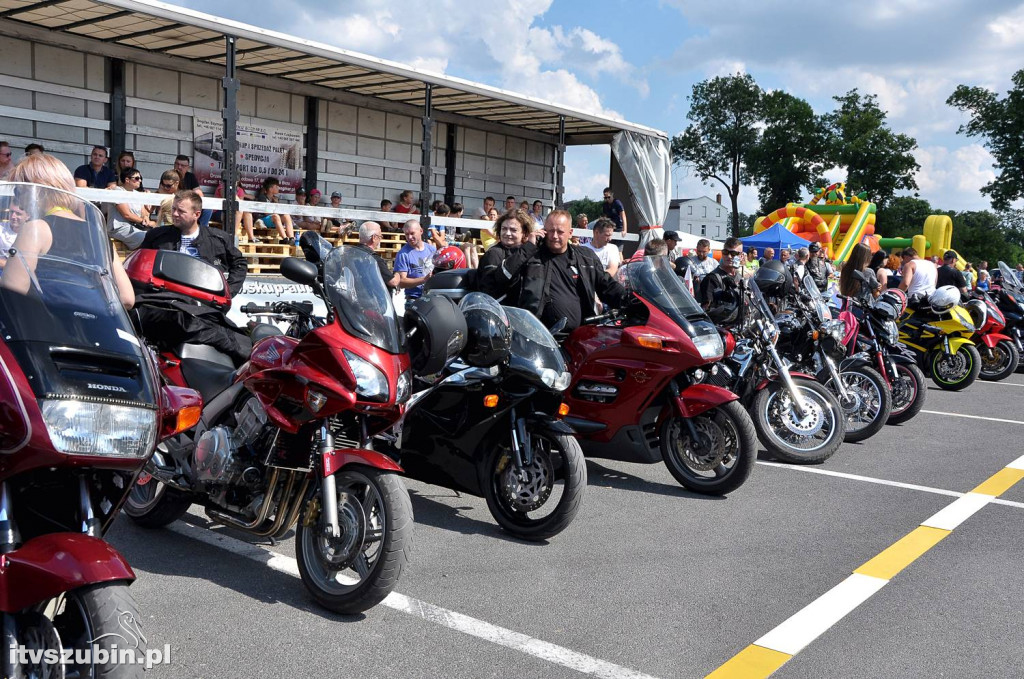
pixel 671 234
pixel 300 191
pixel 949 254
pixel 813 247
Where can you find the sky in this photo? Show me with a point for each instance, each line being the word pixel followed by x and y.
pixel 639 59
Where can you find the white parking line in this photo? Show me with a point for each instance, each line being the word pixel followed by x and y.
pixel 951 516
pixel 972 417
pixel 544 650
pixel 1017 464
pixel 999 384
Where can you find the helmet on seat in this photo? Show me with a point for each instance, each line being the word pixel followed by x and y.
pixel 773 279
pixel 944 299
pixel 896 297
pixel 489 332
pixel 449 257
pixel 437 333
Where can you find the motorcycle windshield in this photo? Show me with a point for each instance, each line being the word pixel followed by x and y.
pixel 817 301
pixel 357 292
pixel 653 279
pixel 1010 280
pixel 59 309
pixel 533 348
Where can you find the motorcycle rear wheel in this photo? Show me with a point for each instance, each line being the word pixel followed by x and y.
pixel 357 570
pixel 778 428
pixel 716 471
pixel 958 371
pixel 151 504
pixel 869 403
pixel 908 393
pixel 1004 362
pixel 538 507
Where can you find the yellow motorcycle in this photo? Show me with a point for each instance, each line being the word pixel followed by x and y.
pixel 938 332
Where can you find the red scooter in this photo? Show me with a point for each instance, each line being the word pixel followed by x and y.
pixel 636 392
pixel 81 411
pixel 286 438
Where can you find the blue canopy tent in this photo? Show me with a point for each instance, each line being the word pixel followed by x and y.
pixel 775 237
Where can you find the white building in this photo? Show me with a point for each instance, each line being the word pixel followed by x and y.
pixel 703 217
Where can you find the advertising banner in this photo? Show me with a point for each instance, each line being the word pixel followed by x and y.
pixel 263 151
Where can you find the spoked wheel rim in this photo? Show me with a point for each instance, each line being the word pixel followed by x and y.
pixel 339 565
pixel 864 402
pixel 807 434
pixel 530 496
pixel 713 455
pixel 904 390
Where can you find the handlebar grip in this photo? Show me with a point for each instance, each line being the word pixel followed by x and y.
pixel 254 308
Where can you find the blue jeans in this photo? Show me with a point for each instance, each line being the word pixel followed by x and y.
pixel 204 219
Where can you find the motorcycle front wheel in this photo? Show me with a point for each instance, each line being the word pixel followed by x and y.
pixel 999 362
pixel 721 455
pixel 354 571
pixel 810 439
pixel 908 393
pixel 102 617
pixel 867 404
pixel 957 371
pixel 542 499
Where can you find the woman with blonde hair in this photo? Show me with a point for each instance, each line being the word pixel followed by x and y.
pixel 55 219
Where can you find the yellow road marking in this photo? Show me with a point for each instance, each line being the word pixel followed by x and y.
pixel 903 553
pixel 1000 482
pixel 753 662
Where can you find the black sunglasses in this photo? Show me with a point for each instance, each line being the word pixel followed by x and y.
pixel 168 186
pixel 732 253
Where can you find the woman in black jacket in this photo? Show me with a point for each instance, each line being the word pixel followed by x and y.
pixel 499 268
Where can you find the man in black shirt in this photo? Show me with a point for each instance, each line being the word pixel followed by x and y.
pixel 95 174
pixel 725 277
pixel 950 275
pixel 562 280
pixel 369 241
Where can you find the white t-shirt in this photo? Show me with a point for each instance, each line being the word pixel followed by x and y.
pixel 609 254
pixel 117 222
pixel 925 276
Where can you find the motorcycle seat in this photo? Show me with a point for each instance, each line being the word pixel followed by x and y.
pixel 205 369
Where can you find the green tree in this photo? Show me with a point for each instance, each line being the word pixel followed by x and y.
pixel 903 216
pixel 877 160
pixel 1001 123
pixel 723 115
pixel 792 153
pixel 592 208
pixel 980 234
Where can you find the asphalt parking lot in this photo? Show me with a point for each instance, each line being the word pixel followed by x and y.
pixel 651 580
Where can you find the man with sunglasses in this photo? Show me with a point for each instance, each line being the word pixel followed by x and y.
pixel 6 164
pixel 726 277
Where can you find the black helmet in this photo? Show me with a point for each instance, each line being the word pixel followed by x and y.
pixel 725 306
pixel 682 266
pixel 773 279
pixel 488 329
pixel 437 333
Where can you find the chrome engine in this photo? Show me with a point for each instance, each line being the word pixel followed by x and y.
pixel 223 454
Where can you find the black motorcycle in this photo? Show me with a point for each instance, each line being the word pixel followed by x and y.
pixel 490 425
pixel 1008 293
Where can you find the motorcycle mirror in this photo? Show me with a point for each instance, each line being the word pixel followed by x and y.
pixel 299 271
pixel 559 326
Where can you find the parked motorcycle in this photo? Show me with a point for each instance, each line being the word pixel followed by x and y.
pixel 939 333
pixel 1008 293
pixel 81 411
pixel 286 438
pixel 491 426
pixel 797 419
pixel 819 344
pixel 999 355
pixel 879 337
pixel 640 390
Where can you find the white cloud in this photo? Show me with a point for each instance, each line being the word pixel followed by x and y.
pixel 586 171
pixel 1008 29
pixel 953 179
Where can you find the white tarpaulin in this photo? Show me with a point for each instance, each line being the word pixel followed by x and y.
pixel 647 165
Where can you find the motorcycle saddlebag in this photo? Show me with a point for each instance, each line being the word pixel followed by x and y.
pixel 454 283
pixel 170 271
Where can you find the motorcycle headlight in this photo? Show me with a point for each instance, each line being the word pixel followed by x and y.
pixel 371 383
pixel 102 429
pixel 559 381
pixel 891 333
pixel 709 346
pixel 404 387
pixel 836 329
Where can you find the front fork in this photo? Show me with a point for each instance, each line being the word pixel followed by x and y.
pixel 329 487
pixel 798 403
pixel 522 451
pixel 837 379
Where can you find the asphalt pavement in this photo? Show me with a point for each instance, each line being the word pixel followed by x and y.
pixel 650 580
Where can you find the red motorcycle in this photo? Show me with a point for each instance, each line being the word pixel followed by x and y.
pixel 286 438
pixel 637 394
pixel 81 411
pixel 999 355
